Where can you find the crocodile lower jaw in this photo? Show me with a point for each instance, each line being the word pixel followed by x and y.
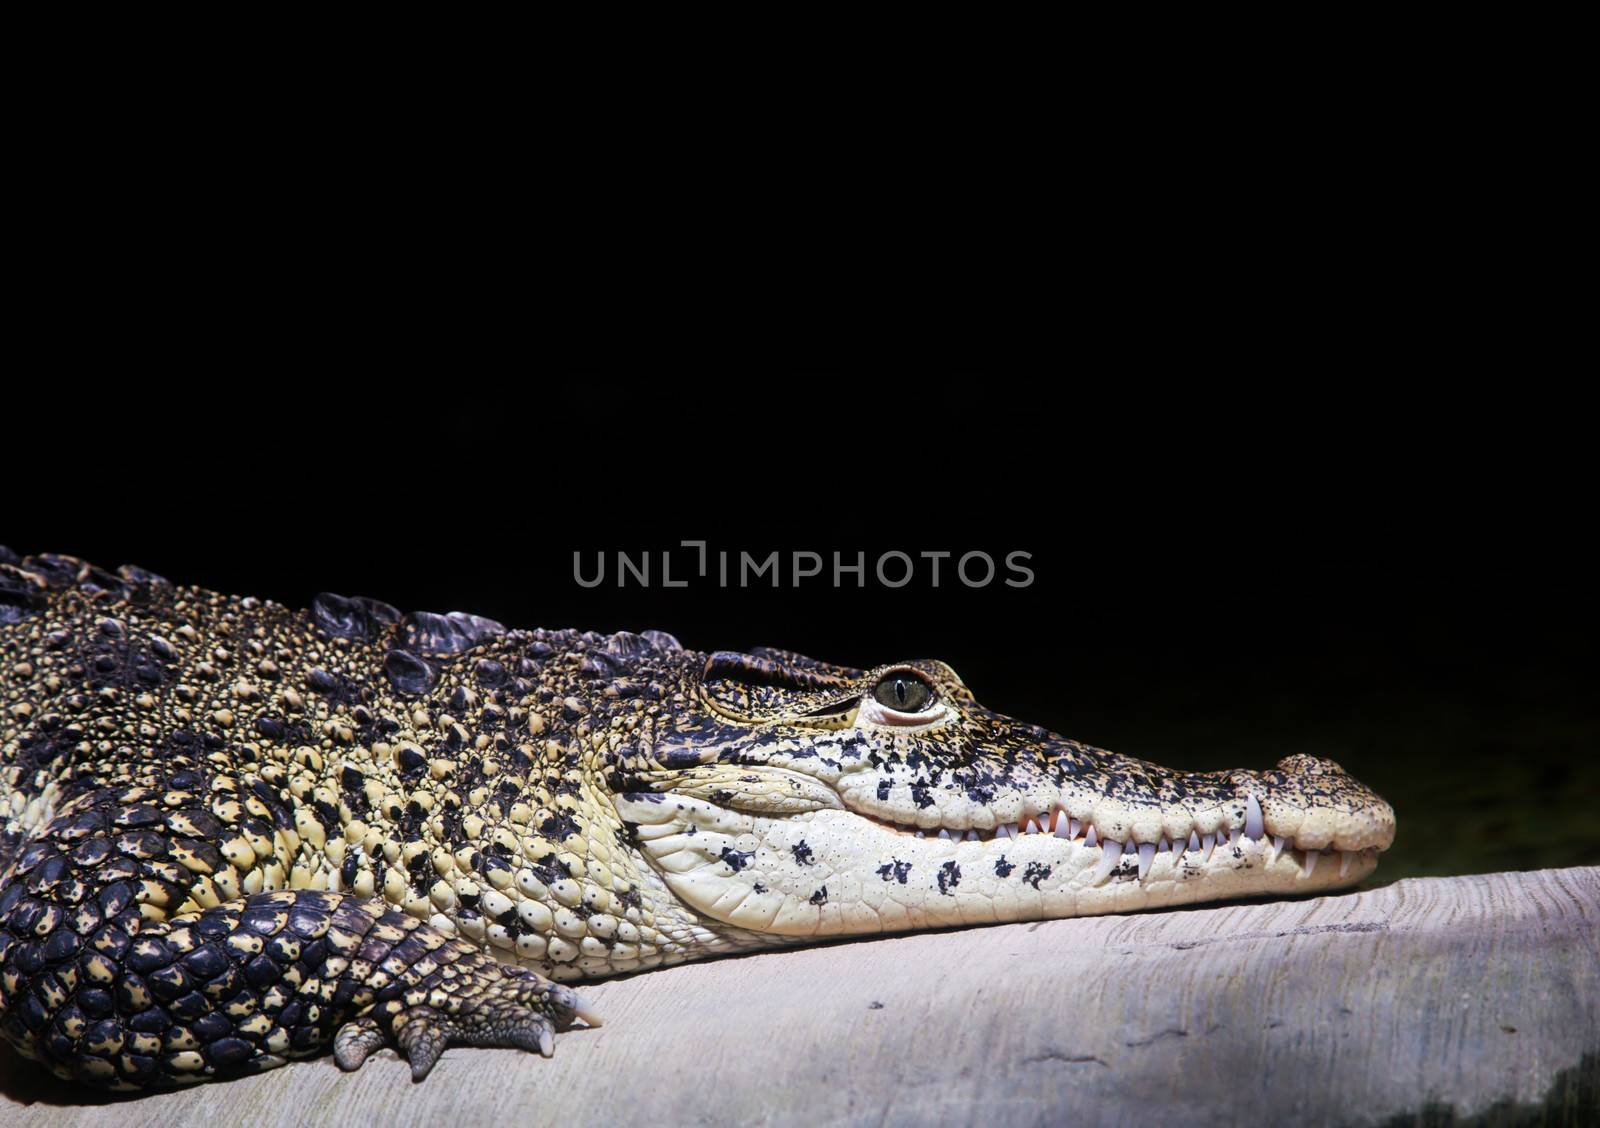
pixel 835 872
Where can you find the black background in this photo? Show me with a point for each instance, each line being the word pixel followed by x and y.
pixel 1229 566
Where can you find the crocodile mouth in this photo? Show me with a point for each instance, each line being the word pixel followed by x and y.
pixel 1197 847
pixel 776 851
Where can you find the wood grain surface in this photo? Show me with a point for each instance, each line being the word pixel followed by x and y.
pixel 1473 995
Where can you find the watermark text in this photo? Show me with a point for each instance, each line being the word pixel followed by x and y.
pixel 725 568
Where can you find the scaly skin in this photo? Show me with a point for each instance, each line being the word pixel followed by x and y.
pixel 237 834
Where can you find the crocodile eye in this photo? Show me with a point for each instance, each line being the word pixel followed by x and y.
pixel 903 692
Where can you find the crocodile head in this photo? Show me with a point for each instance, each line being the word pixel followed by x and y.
pixel 786 797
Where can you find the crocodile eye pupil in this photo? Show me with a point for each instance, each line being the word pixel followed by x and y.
pixel 903 693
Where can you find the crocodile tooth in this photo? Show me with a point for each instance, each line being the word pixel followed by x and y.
pixel 1311 861
pixel 1109 857
pixel 1254 824
pixel 1194 843
pixel 1003 830
pixel 1209 843
pixel 1344 861
pixel 1147 854
pixel 1065 828
pixel 1029 827
pixel 971 836
pixel 1275 849
pixel 944 834
pixel 1233 837
pixel 1074 828
pixel 921 835
pixel 1091 839
pixel 1164 845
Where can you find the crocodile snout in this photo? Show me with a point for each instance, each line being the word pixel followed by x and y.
pixel 1320 806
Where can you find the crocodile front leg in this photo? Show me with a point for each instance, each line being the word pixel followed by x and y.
pixel 97 983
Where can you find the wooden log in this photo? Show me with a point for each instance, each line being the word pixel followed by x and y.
pixel 1470 995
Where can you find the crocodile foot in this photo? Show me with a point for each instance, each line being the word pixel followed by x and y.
pixel 493 1004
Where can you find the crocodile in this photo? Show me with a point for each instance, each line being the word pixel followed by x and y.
pixel 236 833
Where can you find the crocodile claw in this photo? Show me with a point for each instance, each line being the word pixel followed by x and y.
pixel 355 1041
